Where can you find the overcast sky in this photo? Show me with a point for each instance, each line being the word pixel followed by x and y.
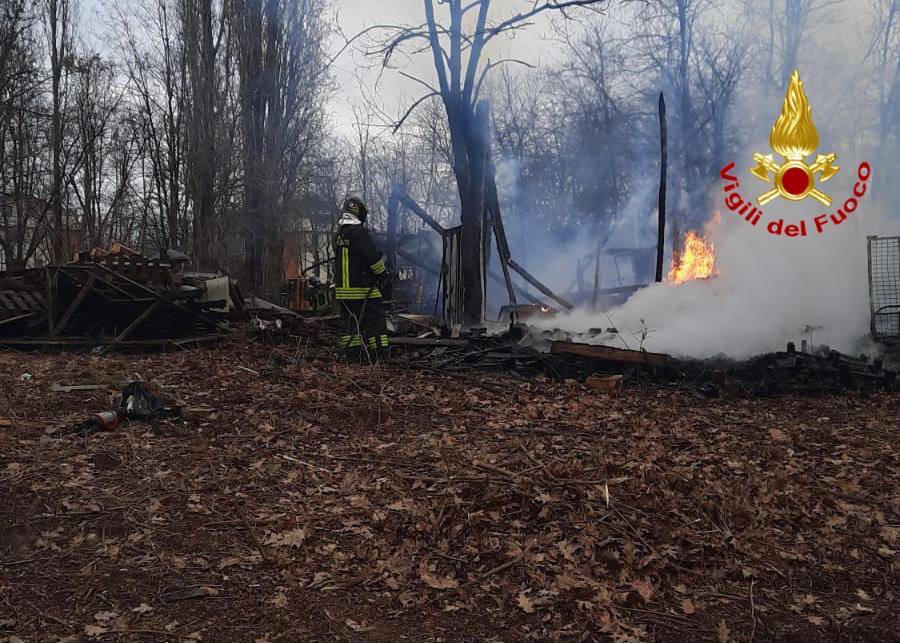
pixel 395 91
pixel 358 76
pixel 845 36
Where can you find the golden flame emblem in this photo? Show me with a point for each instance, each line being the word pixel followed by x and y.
pixel 794 136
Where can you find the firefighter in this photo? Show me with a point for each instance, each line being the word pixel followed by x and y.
pixel 362 284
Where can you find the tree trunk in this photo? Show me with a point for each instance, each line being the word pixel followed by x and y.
pixel 59 19
pixel 472 217
pixel 201 67
pixel 249 19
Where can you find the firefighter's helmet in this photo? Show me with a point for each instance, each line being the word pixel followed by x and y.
pixel 356 207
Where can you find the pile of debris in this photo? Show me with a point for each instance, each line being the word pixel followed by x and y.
pixel 118 298
pixel 820 371
pixel 272 324
pixel 811 371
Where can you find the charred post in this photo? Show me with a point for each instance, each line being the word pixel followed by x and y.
pixel 663 162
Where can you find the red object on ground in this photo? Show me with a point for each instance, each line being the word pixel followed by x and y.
pixel 109 420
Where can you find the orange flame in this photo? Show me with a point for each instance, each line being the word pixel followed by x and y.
pixel 697 260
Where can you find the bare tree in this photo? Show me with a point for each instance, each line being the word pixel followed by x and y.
pixel 884 51
pixel 786 24
pixel 682 45
pixel 157 72
pixel 203 42
pixel 59 42
pixel 97 112
pixel 282 73
pixel 457 56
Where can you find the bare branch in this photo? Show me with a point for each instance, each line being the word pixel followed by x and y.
pixel 420 81
pixel 409 111
pixel 491 66
pixel 436 48
pixel 535 10
pixel 477 48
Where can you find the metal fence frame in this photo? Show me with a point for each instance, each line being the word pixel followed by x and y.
pixel 884 288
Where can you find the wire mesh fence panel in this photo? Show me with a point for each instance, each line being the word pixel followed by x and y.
pixel 884 287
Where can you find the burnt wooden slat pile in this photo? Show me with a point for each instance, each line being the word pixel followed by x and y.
pixel 820 371
pixel 810 373
pixel 113 300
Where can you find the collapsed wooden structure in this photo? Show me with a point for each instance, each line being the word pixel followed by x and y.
pixel 807 371
pixel 451 285
pixel 117 300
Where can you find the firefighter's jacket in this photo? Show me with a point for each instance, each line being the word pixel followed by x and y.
pixel 359 267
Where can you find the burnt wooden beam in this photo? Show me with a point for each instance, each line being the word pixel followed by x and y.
pixel 663 163
pixel 597 275
pixel 10 320
pixel 393 225
pixel 140 319
pixel 49 343
pixel 70 311
pixel 493 206
pixel 173 304
pixel 421 263
pixel 420 212
pixel 106 281
pixel 427 341
pixel 527 295
pixel 527 276
pixel 610 354
pixel 50 288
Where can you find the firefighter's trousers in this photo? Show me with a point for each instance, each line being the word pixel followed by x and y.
pixel 365 337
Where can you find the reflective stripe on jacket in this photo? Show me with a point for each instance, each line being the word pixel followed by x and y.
pixel 357 264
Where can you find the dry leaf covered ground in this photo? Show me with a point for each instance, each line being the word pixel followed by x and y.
pixel 312 501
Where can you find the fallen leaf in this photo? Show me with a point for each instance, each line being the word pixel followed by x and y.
pixel 778 435
pixel 722 632
pixel 292 538
pixel 644 588
pixel 94 631
pixel 687 606
pixel 105 616
pixel 525 603
pixel 356 627
pixel 143 608
pixel 279 600
pixel 437 583
pixel 230 562
pixel 816 620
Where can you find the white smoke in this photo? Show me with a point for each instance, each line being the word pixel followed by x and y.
pixel 769 290
pixel 773 289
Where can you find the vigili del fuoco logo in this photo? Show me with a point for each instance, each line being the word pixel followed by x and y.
pixel 794 137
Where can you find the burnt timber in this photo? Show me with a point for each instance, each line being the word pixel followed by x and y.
pixel 117 301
